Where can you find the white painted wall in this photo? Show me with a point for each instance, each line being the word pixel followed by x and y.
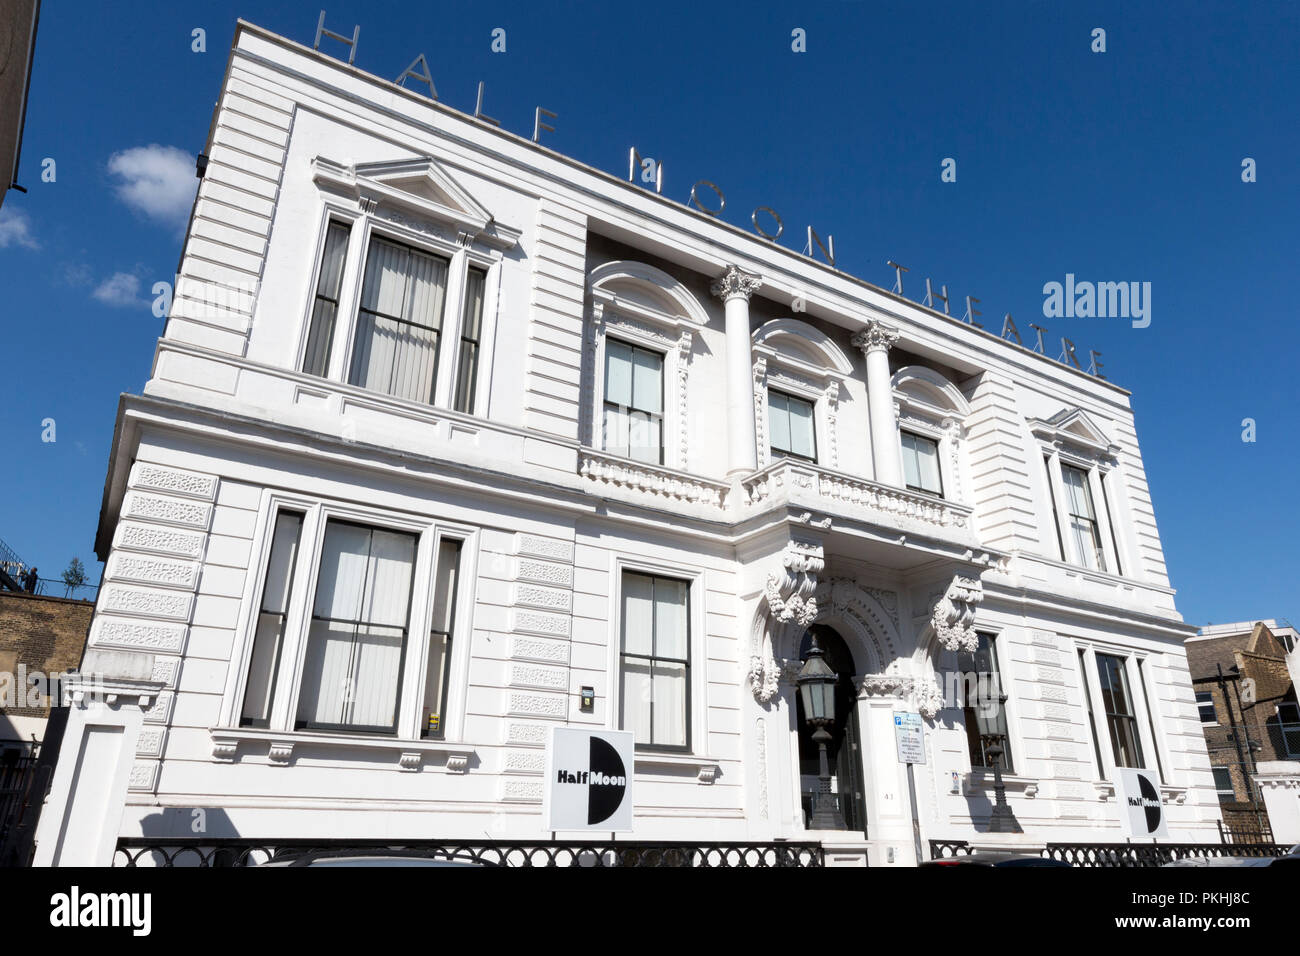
pixel 227 425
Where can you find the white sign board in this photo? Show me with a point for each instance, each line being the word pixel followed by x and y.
pixel 1141 808
pixel 910 735
pixel 589 780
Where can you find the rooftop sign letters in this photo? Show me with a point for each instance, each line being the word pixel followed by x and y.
pixel 709 199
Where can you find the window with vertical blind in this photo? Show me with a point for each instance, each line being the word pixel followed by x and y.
pixel 1081 519
pixel 634 390
pixel 399 321
pixel 471 331
pixel 655 661
pixel 791 432
pixel 325 309
pixel 921 464
pixel 1121 713
pixel 357 642
pixel 437 672
pixel 268 639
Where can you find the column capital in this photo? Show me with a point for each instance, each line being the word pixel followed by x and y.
pixel 875 335
pixel 735 283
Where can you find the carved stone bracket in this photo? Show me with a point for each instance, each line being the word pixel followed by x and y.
pixel 788 604
pixel 954 615
pixel 923 694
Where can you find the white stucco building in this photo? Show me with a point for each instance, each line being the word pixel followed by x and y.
pixel 496 427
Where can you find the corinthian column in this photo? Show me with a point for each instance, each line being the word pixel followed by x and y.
pixel 875 341
pixel 735 288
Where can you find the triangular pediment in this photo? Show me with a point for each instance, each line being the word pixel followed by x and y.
pixel 421 186
pixel 425 180
pixel 1076 426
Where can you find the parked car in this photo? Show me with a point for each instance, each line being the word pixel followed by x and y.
pixel 369 857
pixel 1291 858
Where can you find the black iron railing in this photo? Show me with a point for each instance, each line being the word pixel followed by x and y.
pixel 1247 832
pixel 16 767
pixel 1114 855
pixel 147 852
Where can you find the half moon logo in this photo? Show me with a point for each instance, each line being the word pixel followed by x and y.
pixel 608 782
pixel 1150 804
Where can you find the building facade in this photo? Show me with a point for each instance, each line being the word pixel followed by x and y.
pixel 1246 700
pixel 446 429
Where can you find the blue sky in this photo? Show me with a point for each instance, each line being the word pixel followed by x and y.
pixel 1119 166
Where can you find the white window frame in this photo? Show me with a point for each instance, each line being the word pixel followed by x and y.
pixel 936 434
pixel 780 389
pixel 1214 708
pixel 697 672
pixel 1146 722
pixel 647 328
pixel 365 220
pixel 288 678
pixel 1218 791
pixel 1059 446
pixel 944 424
pixel 821 387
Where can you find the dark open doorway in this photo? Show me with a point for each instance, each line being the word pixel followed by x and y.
pixel 845 748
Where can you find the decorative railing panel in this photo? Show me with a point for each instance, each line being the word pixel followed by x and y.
pixel 1120 855
pixel 805 483
pixel 610 473
pixel 144 852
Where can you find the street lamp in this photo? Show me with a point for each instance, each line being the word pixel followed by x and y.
pixel 1002 820
pixel 816 683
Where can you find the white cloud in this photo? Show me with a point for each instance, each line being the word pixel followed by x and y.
pixel 77 273
pixel 119 289
pixel 16 229
pixel 156 180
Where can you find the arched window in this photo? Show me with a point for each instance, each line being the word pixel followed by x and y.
pixel 931 427
pixel 637 363
pixel 798 373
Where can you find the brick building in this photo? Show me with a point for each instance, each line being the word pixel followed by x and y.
pixel 38 635
pixel 1247 703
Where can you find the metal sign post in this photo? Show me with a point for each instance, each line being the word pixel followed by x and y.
pixel 909 734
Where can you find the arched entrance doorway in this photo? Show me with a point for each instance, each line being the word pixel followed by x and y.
pixel 844 752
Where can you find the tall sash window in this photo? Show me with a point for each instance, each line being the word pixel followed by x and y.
pixel 400 321
pixel 357 641
pixel 634 393
pixel 656 660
